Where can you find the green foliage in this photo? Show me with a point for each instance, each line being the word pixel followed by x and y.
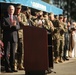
pixel 48 1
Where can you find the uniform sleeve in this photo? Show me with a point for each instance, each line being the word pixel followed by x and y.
pixel 23 19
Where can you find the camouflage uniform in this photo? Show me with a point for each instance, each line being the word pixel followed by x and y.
pixel 62 27
pixel 48 25
pixel 20 50
pixel 56 39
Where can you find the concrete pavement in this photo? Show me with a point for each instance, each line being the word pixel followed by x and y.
pixel 65 68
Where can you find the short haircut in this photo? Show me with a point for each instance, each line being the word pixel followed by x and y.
pixel 11 6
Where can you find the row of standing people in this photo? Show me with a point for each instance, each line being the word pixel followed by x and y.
pixel 61 30
pixel 11 25
pixel 63 38
pixel 73 37
pixel 13 35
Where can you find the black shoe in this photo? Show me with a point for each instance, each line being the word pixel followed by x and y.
pixel 63 59
pixel 9 71
pixel 14 70
pixel 48 71
pixel 66 59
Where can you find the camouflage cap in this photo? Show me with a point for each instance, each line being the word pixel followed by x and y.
pixel 65 16
pixel 51 13
pixel 60 15
pixel 19 6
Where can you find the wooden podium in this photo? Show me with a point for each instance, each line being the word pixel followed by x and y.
pixel 35 50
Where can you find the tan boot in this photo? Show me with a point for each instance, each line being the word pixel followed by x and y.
pixel 20 67
pixel 15 65
pixel 56 60
pixel 60 60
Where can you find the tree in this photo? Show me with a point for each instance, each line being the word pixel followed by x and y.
pixel 68 6
pixel 48 1
pixel 73 9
